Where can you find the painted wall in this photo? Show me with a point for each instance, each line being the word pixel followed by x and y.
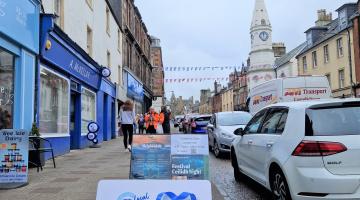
pixel 335 63
pixel 78 15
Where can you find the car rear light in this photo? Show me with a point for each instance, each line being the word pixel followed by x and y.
pixel 315 148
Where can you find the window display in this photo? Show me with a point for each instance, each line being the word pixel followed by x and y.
pixel 54 103
pixel 6 89
pixel 88 109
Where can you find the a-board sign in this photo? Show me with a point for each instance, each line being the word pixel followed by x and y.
pixel 153 190
pixel 14 152
pixel 180 157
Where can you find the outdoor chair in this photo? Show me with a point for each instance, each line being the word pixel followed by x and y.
pixel 38 146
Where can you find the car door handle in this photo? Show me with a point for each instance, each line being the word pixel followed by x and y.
pixel 250 142
pixel 269 144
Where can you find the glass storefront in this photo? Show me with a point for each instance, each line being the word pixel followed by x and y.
pixel 54 103
pixel 88 109
pixel 6 89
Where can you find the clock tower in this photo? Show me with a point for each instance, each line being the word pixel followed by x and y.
pixel 262 55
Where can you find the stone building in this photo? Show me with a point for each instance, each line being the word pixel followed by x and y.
pixel 227 103
pixel 356 45
pixel 287 66
pixel 157 73
pixel 329 50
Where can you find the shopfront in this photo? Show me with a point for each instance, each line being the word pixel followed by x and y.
pixel 135 92
pixel 72 92
pixel 19 46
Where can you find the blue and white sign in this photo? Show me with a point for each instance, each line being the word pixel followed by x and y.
pixel 20 21
pixel 59 55
pixel 153 190
pixel 134 88
pixel 14 152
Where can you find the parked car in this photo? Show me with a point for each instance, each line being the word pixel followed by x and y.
pixel 199 124
pixel 302 150
pixel 288 89
pixel 177 120
pixel 221 130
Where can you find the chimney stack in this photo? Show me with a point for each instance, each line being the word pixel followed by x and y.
pixel 323 18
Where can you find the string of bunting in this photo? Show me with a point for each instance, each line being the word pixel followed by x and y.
pixel 201 68
pixel 191 80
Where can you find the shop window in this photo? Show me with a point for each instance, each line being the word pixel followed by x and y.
pixel 6 90
pixel 54 103
pixel 88 109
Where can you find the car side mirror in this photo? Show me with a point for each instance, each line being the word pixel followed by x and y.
pixel 211 126
pixel 239 131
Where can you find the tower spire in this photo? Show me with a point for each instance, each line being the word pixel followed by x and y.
pixel 260 15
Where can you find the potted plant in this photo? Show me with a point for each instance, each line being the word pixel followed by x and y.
pixel 34 156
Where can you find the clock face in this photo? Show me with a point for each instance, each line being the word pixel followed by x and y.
pixel 264 36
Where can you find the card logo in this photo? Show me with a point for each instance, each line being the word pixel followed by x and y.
pixel 132 196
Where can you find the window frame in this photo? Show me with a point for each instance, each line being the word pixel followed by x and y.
pixel 340 47
pixel 304 60
pixel 264 112
pixel 107 19
pixel 89 29
pixel 82 91
pixel 326 54
pixel 49 135
pixel 270 112
pixel 314 59
pixel 341 84
pixel 60 13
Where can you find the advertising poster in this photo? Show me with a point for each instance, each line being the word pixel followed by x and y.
pixel 14 150
pixel 189 157
pixel 153 190
pixel 150 158
pixel 134 88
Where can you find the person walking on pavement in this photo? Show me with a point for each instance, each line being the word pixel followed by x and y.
pixel 141 124
pixel 152 120
pixel 127 120
pixel 165 116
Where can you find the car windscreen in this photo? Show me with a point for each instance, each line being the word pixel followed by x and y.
pixel 231 119
pixel 203 119
pixel 333 121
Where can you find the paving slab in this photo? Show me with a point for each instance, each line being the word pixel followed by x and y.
pixel 77 174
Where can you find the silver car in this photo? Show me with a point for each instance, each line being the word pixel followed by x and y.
pixel 221 129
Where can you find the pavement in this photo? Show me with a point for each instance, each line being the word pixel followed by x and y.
pixel 77 174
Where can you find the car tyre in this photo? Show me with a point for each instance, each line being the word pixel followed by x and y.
pixel 216 149
pixel 237 173
pixel 279 187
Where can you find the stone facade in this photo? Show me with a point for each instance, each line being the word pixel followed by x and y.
pixel 356 45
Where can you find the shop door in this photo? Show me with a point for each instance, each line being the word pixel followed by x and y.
pixel 75 120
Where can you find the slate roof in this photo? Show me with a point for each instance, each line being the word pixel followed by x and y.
pixel 287 57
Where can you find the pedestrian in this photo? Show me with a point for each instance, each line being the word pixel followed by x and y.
pixel 152 119
pixel 127 120
pixel 165 116
pixel 141 124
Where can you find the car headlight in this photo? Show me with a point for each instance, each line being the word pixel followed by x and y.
pixel 227 136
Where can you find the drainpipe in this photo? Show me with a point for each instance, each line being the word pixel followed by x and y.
pixel 350 63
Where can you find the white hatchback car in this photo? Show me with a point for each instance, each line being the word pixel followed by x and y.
pixel 302 150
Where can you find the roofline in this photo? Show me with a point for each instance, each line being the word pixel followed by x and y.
pixel 347 4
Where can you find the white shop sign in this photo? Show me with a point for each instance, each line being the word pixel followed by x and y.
pixel 153 190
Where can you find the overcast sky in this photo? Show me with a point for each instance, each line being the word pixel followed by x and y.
pixel 206 33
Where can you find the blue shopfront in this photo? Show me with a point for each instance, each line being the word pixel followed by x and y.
pixel 71 92
pixel 19 46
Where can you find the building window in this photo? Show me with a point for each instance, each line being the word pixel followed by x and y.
pixel 119 40
pixel 89 37
pixel 90 3
pixel 54 103
pixel 304 64
pixel 59 12
pixel 88 109
pixel 263 22
pixel 107 20
pixel 341 79
pixel 326 53
pixel 340 49
pixel 328 76
pixel 120 81
pixel 314 59
pixel 6 89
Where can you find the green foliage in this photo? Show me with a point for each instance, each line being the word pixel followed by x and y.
pixel 34 130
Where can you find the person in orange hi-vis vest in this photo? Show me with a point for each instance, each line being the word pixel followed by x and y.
pixel 152 120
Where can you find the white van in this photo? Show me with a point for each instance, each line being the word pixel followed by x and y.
pixel 288 89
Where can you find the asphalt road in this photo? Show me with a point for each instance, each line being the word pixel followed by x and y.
pixel 222 176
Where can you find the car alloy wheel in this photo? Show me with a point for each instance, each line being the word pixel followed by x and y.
pixel 280 187
pixel 216 149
